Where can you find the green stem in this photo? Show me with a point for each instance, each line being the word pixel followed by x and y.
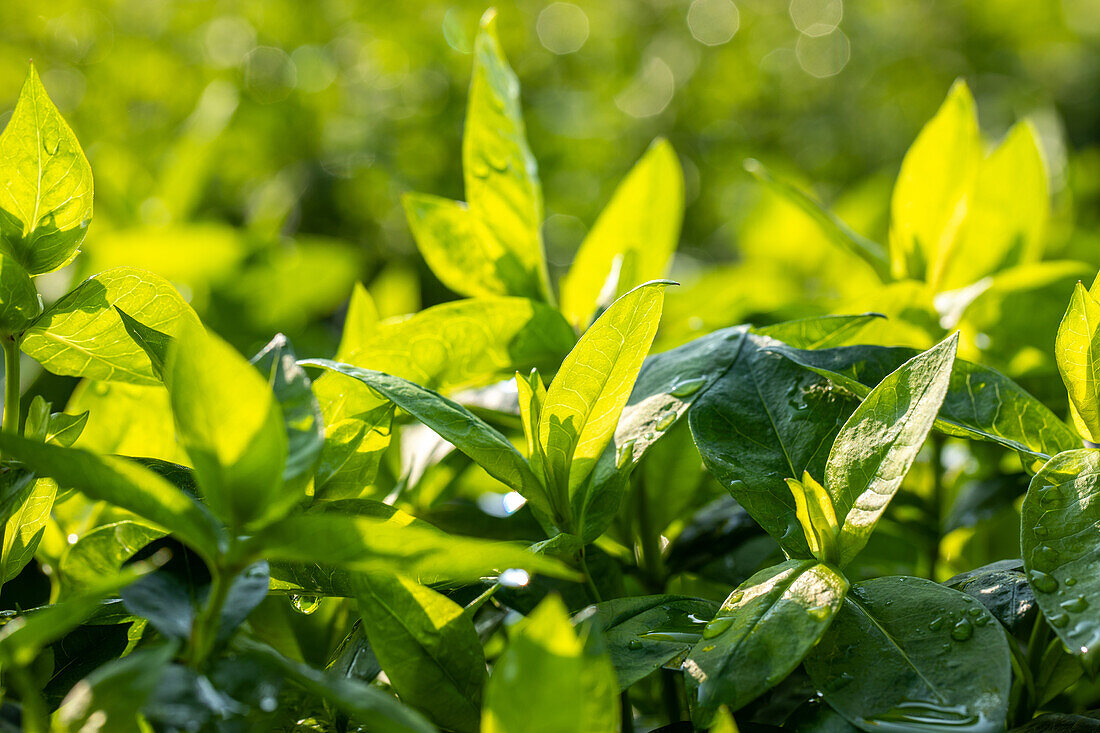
pixel 473 606
pixel 11 384
pixel 938 494
pixel 627 712
pixel 204 632
pixel 35 716
pixel 649 544
pixel 593 591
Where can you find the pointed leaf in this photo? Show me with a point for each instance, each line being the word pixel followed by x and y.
pixel 879 442
pixel 1077 352
pixel 821 332
pixel 82 335
pixel 760 634
pixel 46 181
pixel 930 195
pixel 24 529
pixel 586 398
pixel 20 302
pixel 428 648
pixel 501 176
pixel 638 229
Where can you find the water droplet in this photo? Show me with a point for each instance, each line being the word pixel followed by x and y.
pixel 1042 582
pixel 624 454
pixel 717 626
pixel 479 168
pixel 1075 605
pixel 1049 497
pixel 962 631
pixel 936 624
pixel 650 435
pixel 1071 581
pixel 664 422
pixel 981 620
pixel 974 612
pixel 734 599
pixel 687 387
pixel 305 604
pixel 1058 620
pixel 946 646
pixel 1040 531
pixel 497 160
pixel 1045 556
pixel 634 645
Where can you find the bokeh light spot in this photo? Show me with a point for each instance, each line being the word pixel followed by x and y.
pixel 713 22
pixel 650 92
pixel 562 28
pixel 816 17
pixel 823 56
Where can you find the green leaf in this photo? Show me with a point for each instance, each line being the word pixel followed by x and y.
pixel 377 710
pixel 154 343
pixel 82 335
pixel 231 425
pixel 981 403
pixel 46 182
pixel 905 654
pixel 360 322
pixel 304 424
pixel 462 250
pixel 20 302
pixel 644 633
pixel 1007 213
pixel 24 529
pixel 124 484
pixel 453 422
pixel 351 454
pixel 532 396
pixel 548 681
pixel 365 544
pixel 24 636
pixel 428 648
pixel 931 194
pixel 1060 549
pixel 127 419
pixel 879 442
pixel 760 634
pixel 500 173
pixel 831 226
pixel 815 512
pixel 113 694
pixel 586 398
pixel 65 429
pixel 633 239
pixel 102 551
pixel 1077 352
pixel 820 332
pixel 765 419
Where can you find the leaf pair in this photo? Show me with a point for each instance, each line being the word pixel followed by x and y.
pixel 567 429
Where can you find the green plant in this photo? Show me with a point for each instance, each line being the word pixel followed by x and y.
pixel 760 527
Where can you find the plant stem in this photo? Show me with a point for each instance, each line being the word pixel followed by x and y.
pixel 204 632
pixel 35 715
pixel 649 545
pixel 473 606
pixel 937 503
pixel 11 384
pixel 671 694
pixel 627 712
pixel 593 591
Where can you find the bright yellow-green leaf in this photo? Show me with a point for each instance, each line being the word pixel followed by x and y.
pixel 931 194
pixel 591 388
pixel 20 303
pixel 1006 213
pixel 532 396
pixel 461 249
pixel 229 422
pixel 24 530
pixel 127 419
pixel 1077 352
pixel 82 335
pixel 359 323
pixel 45 184
pixel 633 239
pixel 815 512
pixel 501 176
pixel 547 681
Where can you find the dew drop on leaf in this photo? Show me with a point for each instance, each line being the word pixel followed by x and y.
pixel 1058 620
pixel 664 422
pixel 717 626
pixel 936 624
pixel 687 387
pixel 962 631
pixel 305 604
pixel 1075 605
pixel 1043 583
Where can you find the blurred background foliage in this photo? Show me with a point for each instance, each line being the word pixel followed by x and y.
pixel 255 151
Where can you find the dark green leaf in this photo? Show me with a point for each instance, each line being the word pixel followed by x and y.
pixel 905 653
pixel 427 647
pixel 761 633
